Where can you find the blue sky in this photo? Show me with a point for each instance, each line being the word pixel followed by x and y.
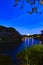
pixel 19 19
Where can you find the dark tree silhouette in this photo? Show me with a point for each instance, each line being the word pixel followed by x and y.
pixel 41 36
pixel 9 37
pixel 33 3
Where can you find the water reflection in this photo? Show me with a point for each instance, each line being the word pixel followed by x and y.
pixel 27 43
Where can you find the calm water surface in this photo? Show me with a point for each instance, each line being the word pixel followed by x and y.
pixel 27 43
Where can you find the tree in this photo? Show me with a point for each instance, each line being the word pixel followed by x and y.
pixel 34 56
pixel 34 8
pixel 41 37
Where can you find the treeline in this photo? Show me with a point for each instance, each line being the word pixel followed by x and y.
pixel 9 37
pixel 9 34
pixel 35 36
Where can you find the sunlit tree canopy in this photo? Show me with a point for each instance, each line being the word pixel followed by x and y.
pixel 33 3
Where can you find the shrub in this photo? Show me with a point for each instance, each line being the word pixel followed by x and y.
pixel 31 56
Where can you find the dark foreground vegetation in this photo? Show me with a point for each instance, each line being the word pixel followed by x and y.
pixel 6 60
pixel 31 56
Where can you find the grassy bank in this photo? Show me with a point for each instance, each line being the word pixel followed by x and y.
pixel 31 56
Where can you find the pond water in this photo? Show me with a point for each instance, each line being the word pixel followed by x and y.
pixel 28 42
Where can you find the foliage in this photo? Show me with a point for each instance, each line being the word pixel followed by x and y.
pixel 9 38
pixel 6 60
pixel 9 34
pixel 30 2
pixel 32 56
